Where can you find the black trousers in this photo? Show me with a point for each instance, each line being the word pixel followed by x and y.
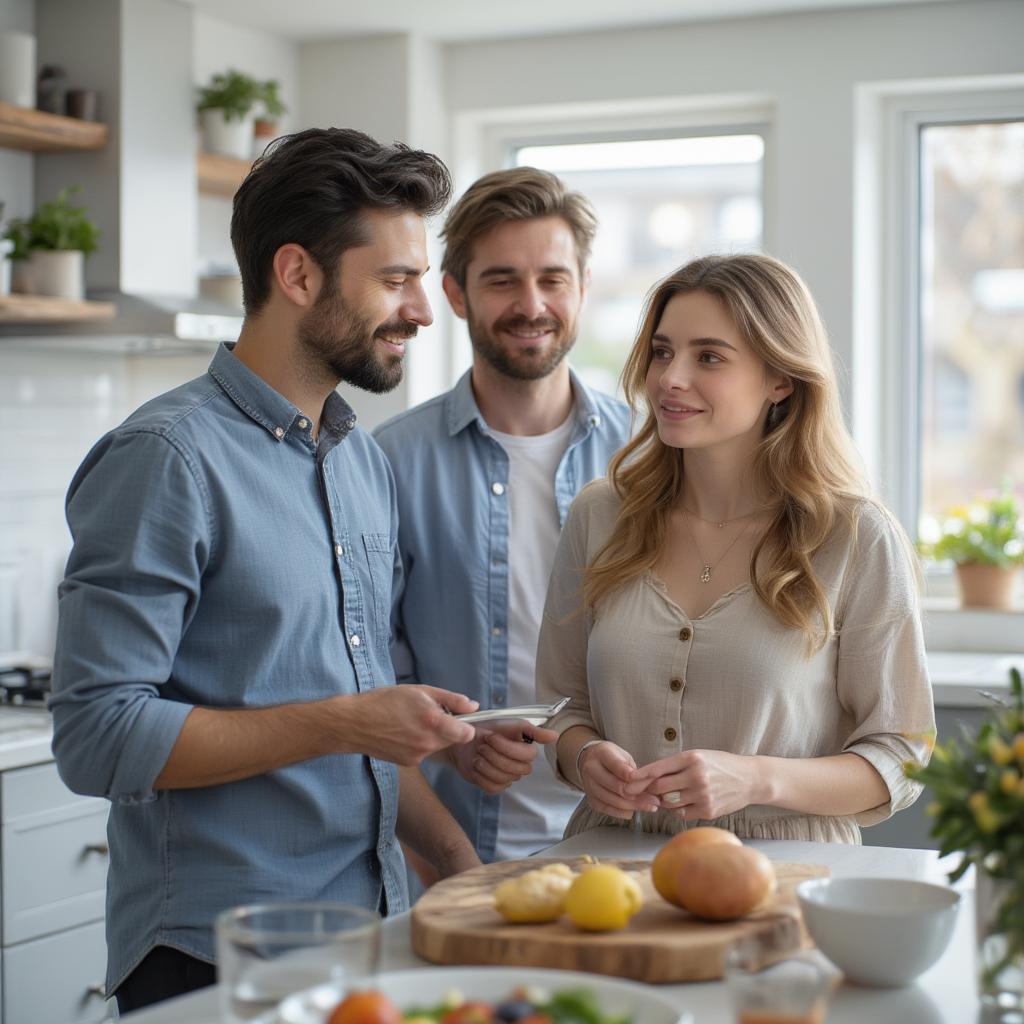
pixel 163 973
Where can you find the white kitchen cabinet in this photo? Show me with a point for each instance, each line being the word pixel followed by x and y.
pixel 53 867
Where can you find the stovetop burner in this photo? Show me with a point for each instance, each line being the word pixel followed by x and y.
pixel 24 686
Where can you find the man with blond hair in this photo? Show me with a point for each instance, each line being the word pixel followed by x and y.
pixel 485 475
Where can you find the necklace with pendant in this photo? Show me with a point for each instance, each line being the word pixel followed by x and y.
pixel 722 523
pixel 705 575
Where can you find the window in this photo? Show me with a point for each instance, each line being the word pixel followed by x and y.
pixel 659 203
pixel 971 310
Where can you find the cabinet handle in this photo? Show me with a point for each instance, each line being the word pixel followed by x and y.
pixel 97 990
pixel 101 848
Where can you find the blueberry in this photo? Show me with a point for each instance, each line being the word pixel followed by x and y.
pixel 514 1009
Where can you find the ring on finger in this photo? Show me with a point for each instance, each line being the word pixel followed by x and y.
pixel 672 797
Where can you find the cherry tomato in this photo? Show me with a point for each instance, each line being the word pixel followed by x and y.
pixel 467 1013
pixel 365 1008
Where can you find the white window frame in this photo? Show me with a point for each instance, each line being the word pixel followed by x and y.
pixel 486 140
pixel 886 328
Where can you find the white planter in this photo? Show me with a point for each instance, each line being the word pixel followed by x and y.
pixel 227 138
pixel 6 248
pixel 57 273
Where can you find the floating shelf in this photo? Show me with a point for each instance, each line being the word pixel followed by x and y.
pixel 220 175
pixel 42 309
pixel 37 132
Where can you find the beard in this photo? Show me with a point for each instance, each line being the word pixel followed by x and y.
pixel 527 362
pixel 344 342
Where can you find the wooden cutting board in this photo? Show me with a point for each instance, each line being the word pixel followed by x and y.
pixel 455 922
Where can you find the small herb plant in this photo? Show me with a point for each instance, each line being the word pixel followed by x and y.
pixel 233 92
pixel 981 533
pixel 270 99
pixel 978 809
pixel 56 225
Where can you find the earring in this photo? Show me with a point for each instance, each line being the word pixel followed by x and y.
pixel 774 416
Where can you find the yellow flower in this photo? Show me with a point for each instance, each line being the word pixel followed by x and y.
pixel 978 802
pixel 1009 781
pixel 1001 753
pixel 934 809
pixel 1018 747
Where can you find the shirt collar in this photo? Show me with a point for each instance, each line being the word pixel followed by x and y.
pixel 270 409
pixel 462 409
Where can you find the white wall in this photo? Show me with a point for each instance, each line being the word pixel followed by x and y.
pixel 807 65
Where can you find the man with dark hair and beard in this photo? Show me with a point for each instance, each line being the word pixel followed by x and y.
pixel 222 671
pixel 485 476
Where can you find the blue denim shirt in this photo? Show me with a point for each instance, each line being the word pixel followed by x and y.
pixel 451 617
pixel 223 557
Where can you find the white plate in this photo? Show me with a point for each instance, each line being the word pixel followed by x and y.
pixel 427 987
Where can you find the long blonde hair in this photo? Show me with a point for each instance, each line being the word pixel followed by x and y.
pixel 805 462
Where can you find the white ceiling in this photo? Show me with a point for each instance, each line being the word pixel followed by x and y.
pixel 481 19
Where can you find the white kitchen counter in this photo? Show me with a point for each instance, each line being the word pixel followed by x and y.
pixel 946 994
pixel 25 737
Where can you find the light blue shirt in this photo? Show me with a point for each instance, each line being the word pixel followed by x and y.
pixel 451 617
pixel 224 558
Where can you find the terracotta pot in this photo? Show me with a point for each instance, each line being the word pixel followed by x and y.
pixel 986 586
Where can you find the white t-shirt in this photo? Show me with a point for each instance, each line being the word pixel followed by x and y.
pixel 534 810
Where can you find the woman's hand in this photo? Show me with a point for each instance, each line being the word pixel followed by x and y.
pixel 606 771
pixel 699 784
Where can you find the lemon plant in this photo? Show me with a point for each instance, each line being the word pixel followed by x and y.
pixel 978 811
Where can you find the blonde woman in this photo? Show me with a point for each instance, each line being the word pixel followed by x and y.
pixel 736 622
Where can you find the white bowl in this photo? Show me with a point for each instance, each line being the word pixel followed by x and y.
pixel 879 931
pixel 644 1004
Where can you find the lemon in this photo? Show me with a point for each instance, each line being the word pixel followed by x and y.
pixel 603 899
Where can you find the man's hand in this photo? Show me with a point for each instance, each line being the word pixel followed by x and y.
pixel 699 785
pixel 405 724
pixel 499 755
pixel 606 771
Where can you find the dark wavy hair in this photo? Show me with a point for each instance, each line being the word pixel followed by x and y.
pixel 310 189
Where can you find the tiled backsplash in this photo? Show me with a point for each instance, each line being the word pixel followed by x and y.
pixel 54 405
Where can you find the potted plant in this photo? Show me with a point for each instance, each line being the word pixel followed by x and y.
pixel 270 110
pixel 977 786
pixel 985 540
pixel 52 245
pixel 227 110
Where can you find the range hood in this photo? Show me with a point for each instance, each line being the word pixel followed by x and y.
pixel 145 321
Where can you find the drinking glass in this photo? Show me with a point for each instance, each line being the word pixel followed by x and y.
pixel 769 985
pixel 269 952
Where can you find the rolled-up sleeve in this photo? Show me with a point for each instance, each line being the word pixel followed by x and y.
pixel 142 538
pixel 562 645
pixel 882 675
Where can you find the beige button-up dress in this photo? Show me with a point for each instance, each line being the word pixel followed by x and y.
pixel 646 676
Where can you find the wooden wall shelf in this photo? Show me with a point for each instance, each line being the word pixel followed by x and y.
pixel 43 309
pixel 220 175
pixel 37 132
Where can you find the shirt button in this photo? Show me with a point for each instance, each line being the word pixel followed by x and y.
pixel 351 422
pixel 670 734
pixel 339 550
pixel 498 489
pixel 496 631
pixel 354 640
pixel 676 685
pixel 685 633
pixel 595 421
pixel 303 423
pixel 278 431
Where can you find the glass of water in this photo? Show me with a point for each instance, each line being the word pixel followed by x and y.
pixel 308 954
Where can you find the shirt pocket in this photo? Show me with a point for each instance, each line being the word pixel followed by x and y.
pixel 377 548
